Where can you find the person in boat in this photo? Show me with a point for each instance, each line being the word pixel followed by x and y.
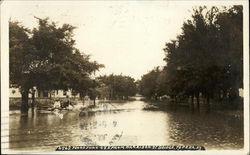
pixel 57 103
pixel 67 103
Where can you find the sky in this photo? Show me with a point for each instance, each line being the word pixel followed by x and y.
pixel 128 37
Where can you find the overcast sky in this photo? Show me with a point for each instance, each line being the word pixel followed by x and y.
pixel 128 37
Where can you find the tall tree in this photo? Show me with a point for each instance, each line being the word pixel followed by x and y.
pixel 22 55
pixel 46 58
pixel 230 26
pixel 207 56
pixel 205 59
pixel 148 84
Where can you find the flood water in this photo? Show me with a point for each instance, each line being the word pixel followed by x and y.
pixel 125 124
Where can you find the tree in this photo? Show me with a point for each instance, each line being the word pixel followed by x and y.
pixel 200 60
pixel 46 58
pixel 118 86
pixel 206 58
pixel 93 91
pixel 230 25
pixel 148 84
pixel 21 58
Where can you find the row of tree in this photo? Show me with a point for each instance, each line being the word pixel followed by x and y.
pixel 117 86
pixel 111 87
pixel 205 60
pixel 46 58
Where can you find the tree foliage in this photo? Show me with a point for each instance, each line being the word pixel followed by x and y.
pixel 46 58
pixel 148 85
pixel 118 86
pixel 206 58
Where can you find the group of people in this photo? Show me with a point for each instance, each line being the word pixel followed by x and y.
pixel 61 105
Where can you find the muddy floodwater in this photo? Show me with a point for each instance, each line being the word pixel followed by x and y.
pixel 125 124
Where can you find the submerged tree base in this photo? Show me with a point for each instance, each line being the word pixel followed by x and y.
pixel 212 106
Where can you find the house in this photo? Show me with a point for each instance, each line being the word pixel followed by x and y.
pixel 15 93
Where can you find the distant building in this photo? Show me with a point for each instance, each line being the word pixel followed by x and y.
pixel 15 93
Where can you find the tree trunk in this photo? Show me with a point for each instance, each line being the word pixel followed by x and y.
pixel 208 99
pixel 198 100
pixel 224 94
pixel 110 94
pixel 94 101
pixel 192 100
pixel 82 95
pixel 25 99
pixel 175 99
pixel 208 103
pixel 33 98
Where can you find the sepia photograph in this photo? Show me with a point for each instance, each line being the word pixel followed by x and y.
pixel 128 76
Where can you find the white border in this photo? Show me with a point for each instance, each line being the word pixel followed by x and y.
pixel 5 75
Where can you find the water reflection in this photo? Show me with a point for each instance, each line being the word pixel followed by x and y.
pixel 126 124
pixel 212 130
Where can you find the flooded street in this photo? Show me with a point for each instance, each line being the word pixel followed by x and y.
pixel 125 124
